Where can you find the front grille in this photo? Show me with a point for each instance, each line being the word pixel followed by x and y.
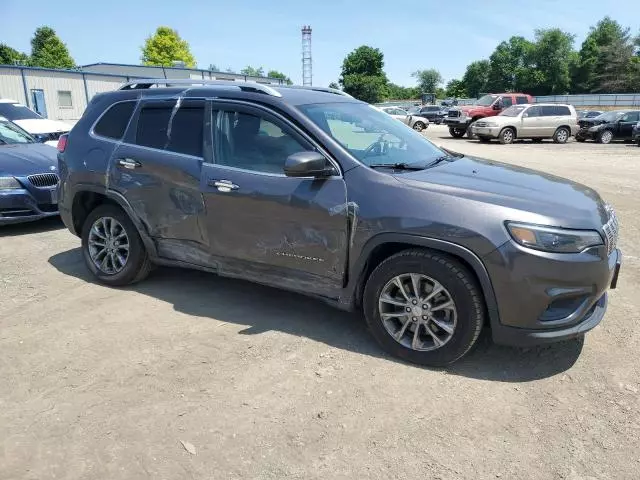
pixel 453 113
pixel 611 229
pixel 585 124
pixel 43 180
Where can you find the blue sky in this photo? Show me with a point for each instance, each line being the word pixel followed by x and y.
pixel 236 33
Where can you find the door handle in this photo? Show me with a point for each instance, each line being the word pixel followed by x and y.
pixel 223 185
pixel 129 163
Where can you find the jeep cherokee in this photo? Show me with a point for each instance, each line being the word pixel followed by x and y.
pixel 310 190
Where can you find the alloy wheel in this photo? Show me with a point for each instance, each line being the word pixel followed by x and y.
pixel 108 245
pixel 417 311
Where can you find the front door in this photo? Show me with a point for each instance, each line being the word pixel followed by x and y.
pixel 532 120
pixel 39 105
pixel 263 224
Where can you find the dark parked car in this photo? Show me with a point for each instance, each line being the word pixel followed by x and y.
pixel 617 125
pixel 636 133
pixel 28 176
pixel 434 113
pixel 310 190
pixel 588 113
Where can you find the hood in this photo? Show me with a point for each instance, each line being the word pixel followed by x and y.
pixel 42 125
pixel 563 202
pixel 23 159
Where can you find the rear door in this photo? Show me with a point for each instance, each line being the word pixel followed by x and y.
pixel 626 124
pixel 262 223
pixel 549 121
pixel 157 168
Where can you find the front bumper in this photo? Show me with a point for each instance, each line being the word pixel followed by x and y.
pixel 544 297
pixel 488 132
pixel 585 134
pixel 459 122
pixel 21 205
pixel 636 137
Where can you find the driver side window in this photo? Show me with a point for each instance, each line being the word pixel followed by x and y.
pixel 253 142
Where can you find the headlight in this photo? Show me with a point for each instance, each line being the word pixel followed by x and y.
pixel 556 240
pixel 491 124
pixel 595 128
pixel 9 183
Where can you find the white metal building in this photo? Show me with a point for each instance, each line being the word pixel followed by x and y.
pixel 64 94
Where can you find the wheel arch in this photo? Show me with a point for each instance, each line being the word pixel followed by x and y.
pixel 382 246
pixel 87 197
pixel 510 127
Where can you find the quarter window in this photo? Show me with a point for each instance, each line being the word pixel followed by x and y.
pixel 252 142
pixel 114 122
pixel 180 131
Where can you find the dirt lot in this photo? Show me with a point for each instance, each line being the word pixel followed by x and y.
pixel 105 383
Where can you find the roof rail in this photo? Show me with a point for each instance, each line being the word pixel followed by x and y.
pixel 246 86
pixel 318 89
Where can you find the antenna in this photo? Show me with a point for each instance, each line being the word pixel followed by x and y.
pixel 306 56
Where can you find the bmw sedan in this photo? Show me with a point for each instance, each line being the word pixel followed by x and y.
pixel 28 176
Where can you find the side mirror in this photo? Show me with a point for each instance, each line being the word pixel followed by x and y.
pixel 525 115
pixel 497 106
pixel 307 164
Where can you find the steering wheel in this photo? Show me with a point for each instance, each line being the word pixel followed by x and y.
pixel 381 145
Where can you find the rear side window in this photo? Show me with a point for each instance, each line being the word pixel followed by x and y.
pixel 521 100
pixel 181 134
pixel 548 110
pixel 114 122
pixel 507 102
pixel 562 110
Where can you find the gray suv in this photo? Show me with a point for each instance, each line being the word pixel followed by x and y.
pixel 310 190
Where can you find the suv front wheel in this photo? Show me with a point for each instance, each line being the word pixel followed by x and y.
pixel 423 307
pixel 112 247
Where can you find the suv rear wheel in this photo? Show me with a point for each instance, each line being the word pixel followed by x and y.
pixel 423 307
pixel 419 126
pixel 112 247
pixel 561 135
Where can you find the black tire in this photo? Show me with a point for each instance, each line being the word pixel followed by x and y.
pixel 484 139
pixel 561 135
pixel 457 280
pixel 457 132
pixel 138 264
pixel 507 136
pixel 419 126
pixel 469 132
pixel 605 137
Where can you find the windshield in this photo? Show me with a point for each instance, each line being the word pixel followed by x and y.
pixel 10 134
pixel 15 111
pixel 513 111
pixel 486 100
pixel 370 136
pixel 610 116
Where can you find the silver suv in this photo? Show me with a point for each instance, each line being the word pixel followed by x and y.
pixel 539 121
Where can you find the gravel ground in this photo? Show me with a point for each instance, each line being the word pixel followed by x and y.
pixel 190 376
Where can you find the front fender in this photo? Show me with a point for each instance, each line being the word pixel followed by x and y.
pixel 356 275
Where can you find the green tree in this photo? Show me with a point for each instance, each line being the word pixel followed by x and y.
pixel 455 89
pixel 363 76
pixel 48 51
pixel 334 85
pixel 476 78
pixel 11 56
pixel 164 47
pixel 279 75
pixel 428 80
pixel 509 65
pixel 606 42
pixel 552 56
pixel 250 71
pixel 398 92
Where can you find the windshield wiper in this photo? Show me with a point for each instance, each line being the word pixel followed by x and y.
pixel 399 166
pixel 443 158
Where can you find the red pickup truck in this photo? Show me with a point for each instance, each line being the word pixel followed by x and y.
pixel 458 119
